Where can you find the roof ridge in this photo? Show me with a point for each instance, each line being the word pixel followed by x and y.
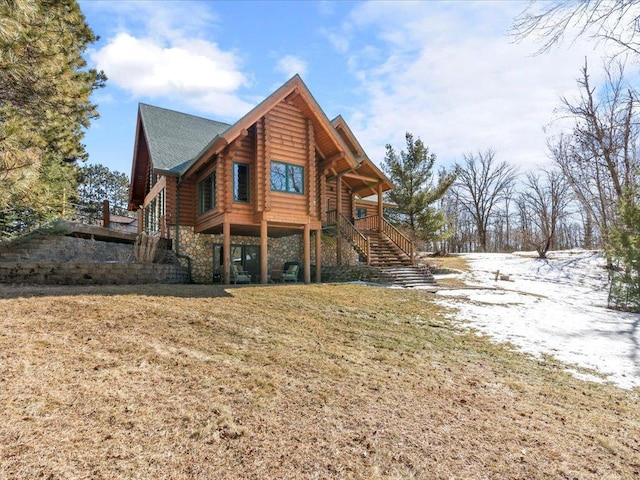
pixel 184 113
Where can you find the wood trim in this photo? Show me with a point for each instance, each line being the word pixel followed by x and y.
pixel 312 194
pixel 355 176
pixel 160 185
pixel 267 163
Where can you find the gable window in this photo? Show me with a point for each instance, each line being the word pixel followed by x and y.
pixel 207 194
pixel 287 178
pixel 240 182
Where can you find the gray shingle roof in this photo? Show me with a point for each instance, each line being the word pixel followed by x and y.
pixel 175 139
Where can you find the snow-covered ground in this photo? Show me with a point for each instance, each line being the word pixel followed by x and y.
pixel 555 306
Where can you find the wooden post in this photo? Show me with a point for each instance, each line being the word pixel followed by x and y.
pixel 339 211
pixel 307 253
pixel 380 210
pixel 140 219
pixel 264 266
pixel 226 249
pixel 105 214
pixel 318 255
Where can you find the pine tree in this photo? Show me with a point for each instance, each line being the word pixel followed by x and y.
pixel 45 104
pixel 623 245
pixel 416 190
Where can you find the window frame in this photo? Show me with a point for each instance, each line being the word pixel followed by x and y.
pixel 208 182
pixel 235 183
pixel 288 167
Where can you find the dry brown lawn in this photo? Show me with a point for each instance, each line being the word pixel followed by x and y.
pixel 291 382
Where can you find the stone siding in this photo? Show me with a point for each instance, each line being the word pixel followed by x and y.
pixel 199 247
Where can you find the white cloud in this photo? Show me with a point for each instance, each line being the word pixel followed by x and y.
pixel 290 65
pixel 451 76
pixel 171 59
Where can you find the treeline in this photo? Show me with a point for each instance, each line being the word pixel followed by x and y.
pixel 587 197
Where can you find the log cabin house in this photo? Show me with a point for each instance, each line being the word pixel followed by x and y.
pixel 282 184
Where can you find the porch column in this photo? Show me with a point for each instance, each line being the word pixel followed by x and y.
pixel 338 217
pixel 318 255
pixel 264 270
pixel 380 211
pixel 307 253
pixel 226 249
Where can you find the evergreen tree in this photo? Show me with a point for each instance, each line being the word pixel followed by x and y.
pixel 45 91
pixel 623 245
pixel 97 183
pixel 416 189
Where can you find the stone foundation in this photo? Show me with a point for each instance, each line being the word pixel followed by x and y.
pixel 199 247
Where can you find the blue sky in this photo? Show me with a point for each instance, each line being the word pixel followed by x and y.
pixel 445 71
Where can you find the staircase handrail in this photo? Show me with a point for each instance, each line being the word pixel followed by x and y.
pixel 354 236
pixel 369 222
pixel 397 237
pixel 332 217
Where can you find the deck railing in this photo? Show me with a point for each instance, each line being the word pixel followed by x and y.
pixel 352 231
pixel 398 238
pixel 367 223
pixel 332 217
pixel 357 239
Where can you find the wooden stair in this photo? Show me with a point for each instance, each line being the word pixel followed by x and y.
pixel 394 264
pixel 384 253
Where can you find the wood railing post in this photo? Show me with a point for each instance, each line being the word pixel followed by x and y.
pixel 105 214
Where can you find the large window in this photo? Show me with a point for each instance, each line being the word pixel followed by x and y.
pixel 287 178
pixel 207 194
pixel 240 182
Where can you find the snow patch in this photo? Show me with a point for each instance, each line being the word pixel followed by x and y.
pixel 555 306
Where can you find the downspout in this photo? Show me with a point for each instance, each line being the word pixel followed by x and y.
pixel 176 239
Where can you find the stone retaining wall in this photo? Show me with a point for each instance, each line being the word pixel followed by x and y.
pixel 61 248
pixel 90 273
pixel 352 273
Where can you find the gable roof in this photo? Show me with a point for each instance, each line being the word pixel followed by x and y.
pixel 361 180
pixel 174 138
pixel 296 89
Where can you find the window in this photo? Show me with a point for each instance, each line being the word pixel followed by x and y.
pixel 154 213
pixel 207 194
pixel 240 182
pixel 361 212
pixel 287 178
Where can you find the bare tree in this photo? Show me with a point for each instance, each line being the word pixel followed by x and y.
pixel 543 205
pixel 614 21
pixel 600 158
pixel 482 185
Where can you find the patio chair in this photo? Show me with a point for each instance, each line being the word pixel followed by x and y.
pixel 276 273
pixel 238 275
pixel 290 274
